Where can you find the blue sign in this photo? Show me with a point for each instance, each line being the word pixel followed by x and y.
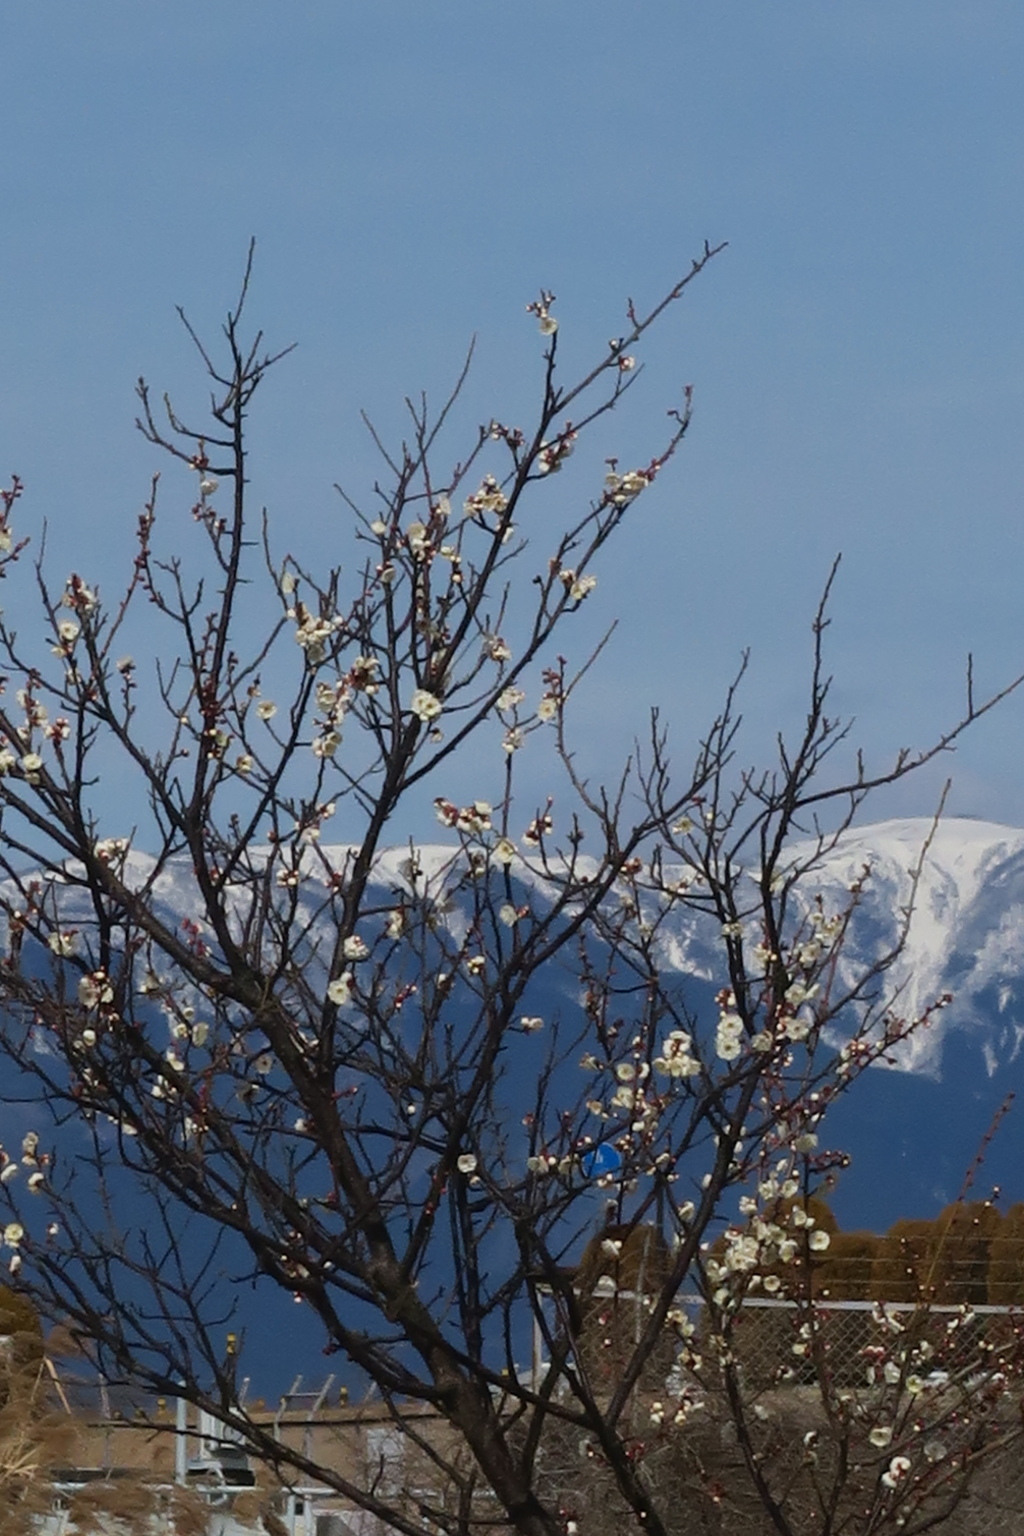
pixel 603 1159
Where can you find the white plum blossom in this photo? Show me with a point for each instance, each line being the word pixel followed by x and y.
pixel 729 1036
pixel 418 540
pixel 363 675
pixel 95 989
pixel 326 744
pixel 577 586
pixel 332 699
pixel 489 498
pixel 676 1059
pixel 424 705
pixel 112 850
pixel 340 990
pixel 541 307
pixel 743 1252
pixel 896 1472
pixel 355 948
pixel 475 818
pixel 497 649
pixel 266 709
pixel 396 923
pixel 78 596
pixel 312 632
pixel 551 456
pixel 539 828
pixel 621 489
pixel 466 1163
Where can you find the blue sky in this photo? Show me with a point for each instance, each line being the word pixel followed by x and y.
pixel 414 173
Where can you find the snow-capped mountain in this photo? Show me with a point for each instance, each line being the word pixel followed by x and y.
pixel 913 1131
pixel 966 931
pixel 963 878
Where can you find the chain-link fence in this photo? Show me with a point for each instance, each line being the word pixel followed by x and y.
pixel 844 1344
pixel 851 1418
pixel 840 1418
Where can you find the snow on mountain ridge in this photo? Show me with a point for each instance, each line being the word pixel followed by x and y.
pixel 966 932
pixel 966 935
